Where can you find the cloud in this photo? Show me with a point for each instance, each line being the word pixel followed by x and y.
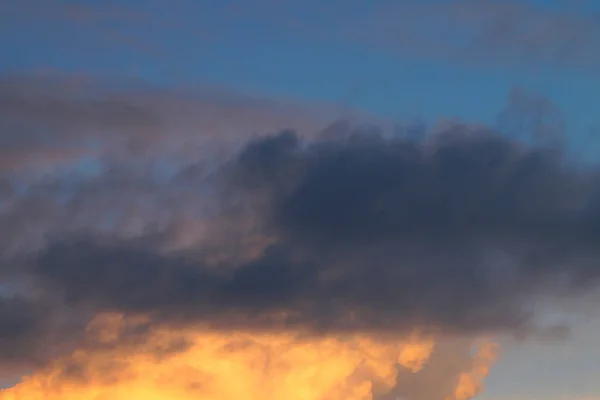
pixel 350 238
pixel 218 365
pixel 362 233
pixel 490 31
pixel 468 31
pixel 110 27
pixel 226 366
pixel 52 119
pixel 485 32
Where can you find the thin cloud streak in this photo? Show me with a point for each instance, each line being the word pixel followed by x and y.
pixel 482 32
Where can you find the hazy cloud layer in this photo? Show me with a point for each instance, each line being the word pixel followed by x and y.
pixel 489 31
pixel 53 119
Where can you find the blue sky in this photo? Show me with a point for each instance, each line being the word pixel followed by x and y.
pixel 256 48
pixel 213 44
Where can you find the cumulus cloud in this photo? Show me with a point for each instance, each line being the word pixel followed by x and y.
pixel 364 233
pixel 388 248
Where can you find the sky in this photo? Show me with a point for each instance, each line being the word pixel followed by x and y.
pixel 316 200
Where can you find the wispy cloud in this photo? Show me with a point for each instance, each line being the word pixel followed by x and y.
pixel 486 32
pixel 49 119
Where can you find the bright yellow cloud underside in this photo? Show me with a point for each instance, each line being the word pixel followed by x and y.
pixel 233 366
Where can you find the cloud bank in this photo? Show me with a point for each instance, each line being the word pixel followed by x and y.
pixel 353 261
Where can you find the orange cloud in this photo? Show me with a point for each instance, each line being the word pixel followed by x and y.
pixel 470 383
pixel 224 366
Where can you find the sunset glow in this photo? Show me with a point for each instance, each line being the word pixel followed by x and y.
pixel 228 366
pixel 299 200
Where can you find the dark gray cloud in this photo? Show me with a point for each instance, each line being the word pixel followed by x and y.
pixel 456 233
pixel 35 331
pixel 454 229
pixel 18 318
pixel 122 158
